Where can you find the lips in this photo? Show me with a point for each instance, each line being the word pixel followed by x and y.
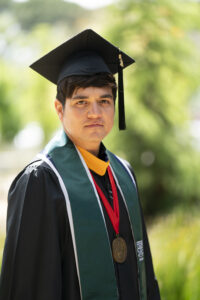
pixel 94 125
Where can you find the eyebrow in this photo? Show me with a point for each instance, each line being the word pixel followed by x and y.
pixel 86 97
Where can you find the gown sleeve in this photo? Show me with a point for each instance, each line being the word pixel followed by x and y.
pixel 153 292
pixel 36 234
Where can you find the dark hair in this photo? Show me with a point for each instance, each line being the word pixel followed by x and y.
pixel 67 86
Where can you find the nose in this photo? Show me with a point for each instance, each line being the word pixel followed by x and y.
pixel 94 110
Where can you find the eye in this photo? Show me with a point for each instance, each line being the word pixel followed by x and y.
pixel 81 102
pixel 105 101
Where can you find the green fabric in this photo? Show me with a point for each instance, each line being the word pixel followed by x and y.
pixel 97 279
pixel 132 201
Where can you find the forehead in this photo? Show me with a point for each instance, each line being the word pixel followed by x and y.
pixel 93 91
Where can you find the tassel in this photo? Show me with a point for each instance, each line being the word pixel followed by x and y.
pixel 121 110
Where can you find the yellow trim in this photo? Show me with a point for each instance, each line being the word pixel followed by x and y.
pixel 94 163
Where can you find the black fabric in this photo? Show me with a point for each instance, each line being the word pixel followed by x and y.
pixel 121 110
pixel 59 63
pixel 126 273
pixel 83 63
pixel 38 260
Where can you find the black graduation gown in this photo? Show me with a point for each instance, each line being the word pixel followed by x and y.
pixel 38 261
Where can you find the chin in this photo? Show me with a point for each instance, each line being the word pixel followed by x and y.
pixel 96 137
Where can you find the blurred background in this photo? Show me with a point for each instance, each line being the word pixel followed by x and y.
pixel 162 93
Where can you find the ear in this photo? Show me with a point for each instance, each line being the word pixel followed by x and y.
pixel 59 108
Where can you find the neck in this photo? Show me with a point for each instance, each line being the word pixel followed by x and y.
pixel 92 147
pixel 93 151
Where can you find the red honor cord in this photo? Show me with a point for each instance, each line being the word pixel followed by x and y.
pixel 113 213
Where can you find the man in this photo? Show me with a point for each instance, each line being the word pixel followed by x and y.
pixel 75 228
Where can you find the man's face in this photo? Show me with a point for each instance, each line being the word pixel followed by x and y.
pixel 88 116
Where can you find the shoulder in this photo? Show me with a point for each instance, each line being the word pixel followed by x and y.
pixel 38 168
pixel 125 163
pixel 128 167
pixel 36 171
pixel 37 180
pixel 35 191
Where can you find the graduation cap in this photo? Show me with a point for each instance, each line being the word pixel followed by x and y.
pixel 87 53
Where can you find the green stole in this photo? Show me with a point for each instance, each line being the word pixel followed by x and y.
pixel 89 234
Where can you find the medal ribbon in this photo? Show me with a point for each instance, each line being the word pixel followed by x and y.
pixel 113 213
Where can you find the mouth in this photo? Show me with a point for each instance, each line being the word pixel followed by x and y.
pixel 94 125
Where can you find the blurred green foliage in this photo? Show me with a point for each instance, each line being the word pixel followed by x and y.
pixel 176 253
pixel 27 30
pixel 30 13
pixel 163 36
pixel 2 239
pixel 159 92
pixel 9 114
pixel 159 88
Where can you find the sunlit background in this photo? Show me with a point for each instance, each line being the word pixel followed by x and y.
pixel 162 93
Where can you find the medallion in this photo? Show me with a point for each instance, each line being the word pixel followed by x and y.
pixel 119 249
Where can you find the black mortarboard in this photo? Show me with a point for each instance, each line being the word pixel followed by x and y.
pixel 87 53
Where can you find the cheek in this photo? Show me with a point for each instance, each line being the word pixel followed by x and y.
pixel 66 117
pixel 110 118
pixel 72 118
